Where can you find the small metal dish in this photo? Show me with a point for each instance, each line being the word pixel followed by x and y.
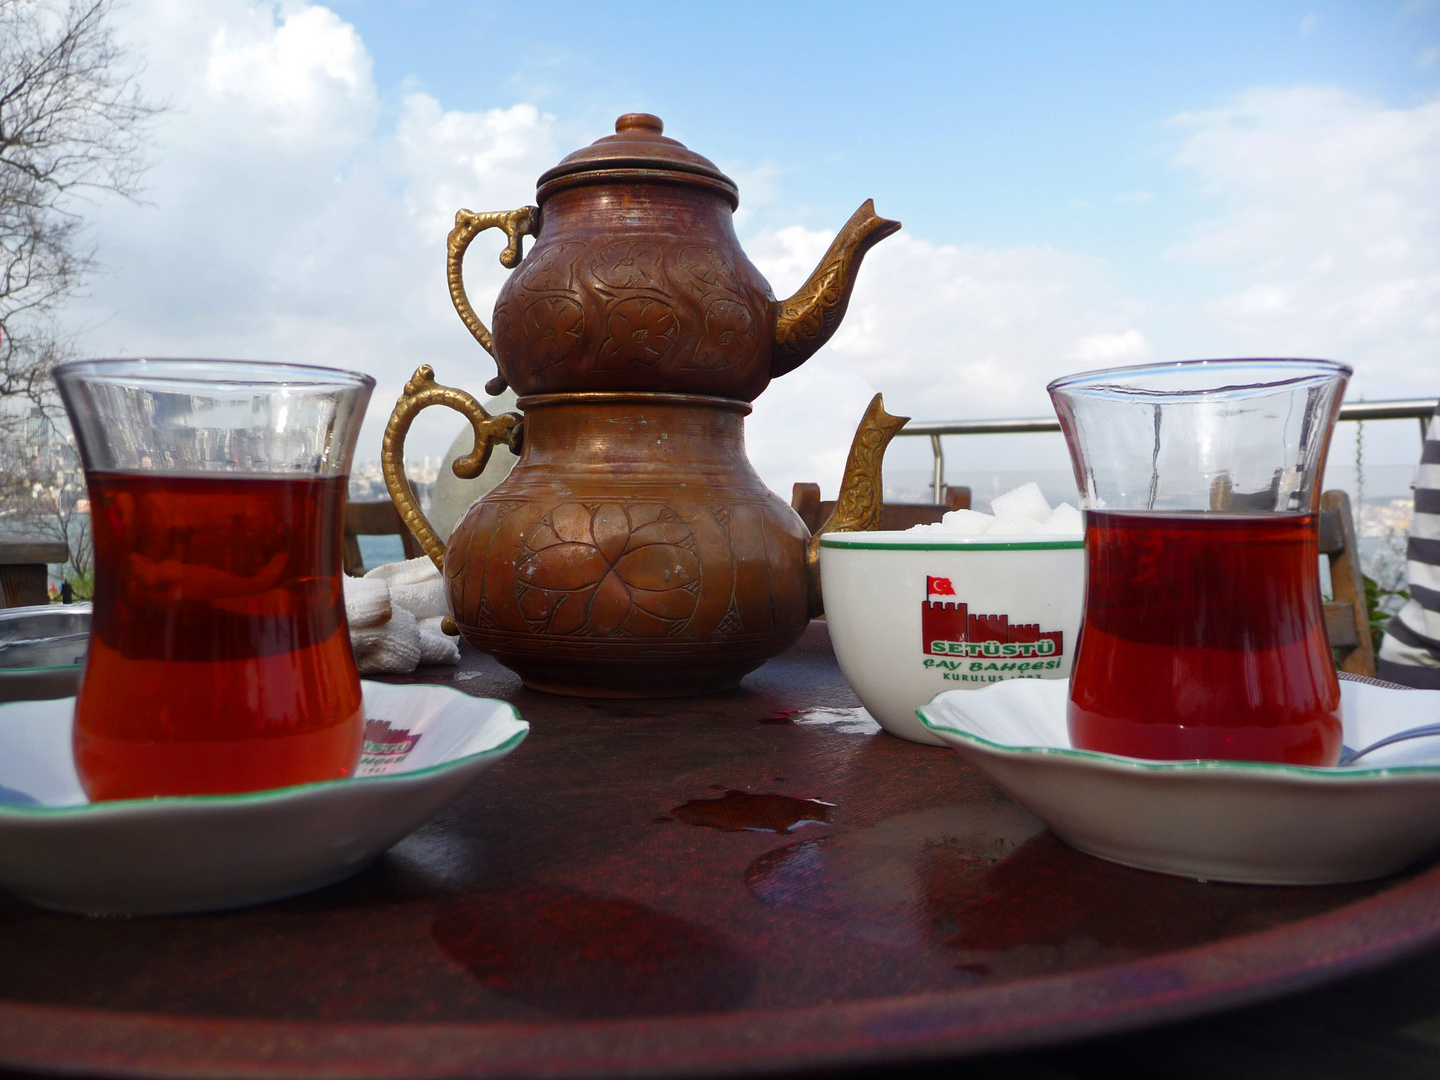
pixel 42 651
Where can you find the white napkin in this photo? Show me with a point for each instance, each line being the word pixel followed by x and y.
pixel 367 603
pixel 414 585
pixel 395 613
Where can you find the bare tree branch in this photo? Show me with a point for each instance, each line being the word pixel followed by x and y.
pixel 73 124
pixel 72 119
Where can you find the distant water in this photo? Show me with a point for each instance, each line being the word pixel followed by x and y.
pixel 378 550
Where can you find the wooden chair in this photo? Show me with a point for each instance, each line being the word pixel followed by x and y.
pixel 24 573
pixel 805 501
pixel 374 519
pixel 1347 617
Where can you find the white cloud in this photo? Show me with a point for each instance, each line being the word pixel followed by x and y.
pixel 1112 349
pixel 242 169
pixel 297 78
pixel 1427 57
pixel 945 332
pixel 959 331
pixel 758 184
pixel 1140 196
pixel 1328 238
pixel 480 160
pixel 802 425
pixel 282 223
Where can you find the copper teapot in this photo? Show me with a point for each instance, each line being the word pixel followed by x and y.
pixel 633 550
pixel 636 280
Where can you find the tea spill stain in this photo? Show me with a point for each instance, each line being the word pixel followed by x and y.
pixel 743 811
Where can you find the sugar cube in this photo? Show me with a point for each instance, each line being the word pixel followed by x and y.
pixel 1064 519
pixel 966 521
pixel 1026 501
pixel 1013 524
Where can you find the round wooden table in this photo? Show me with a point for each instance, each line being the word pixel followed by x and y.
pixel 752 882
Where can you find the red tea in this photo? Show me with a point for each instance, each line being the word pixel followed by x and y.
pixel 1204 637
pixel 219 656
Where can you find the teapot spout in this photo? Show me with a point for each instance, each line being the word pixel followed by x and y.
pixel 805 321
pixel 862 490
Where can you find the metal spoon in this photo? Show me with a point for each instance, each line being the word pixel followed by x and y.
pixel 1349 756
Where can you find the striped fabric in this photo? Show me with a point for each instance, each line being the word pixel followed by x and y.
pixel 1410 650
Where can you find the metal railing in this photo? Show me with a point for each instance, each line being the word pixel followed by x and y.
pixel 1400 409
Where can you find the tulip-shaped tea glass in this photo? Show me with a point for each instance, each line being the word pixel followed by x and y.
pixel 1204 633
pixel 220 658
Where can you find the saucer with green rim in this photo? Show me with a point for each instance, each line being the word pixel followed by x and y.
pixel 1236 821
pixel 423 746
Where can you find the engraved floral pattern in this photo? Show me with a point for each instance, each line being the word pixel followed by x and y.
pixel 550 268
pixel 504 336
pixel 608 570
pixel 642 331
pixel 553 326
pixel 709 266
pixel 729 330
pixel 628 265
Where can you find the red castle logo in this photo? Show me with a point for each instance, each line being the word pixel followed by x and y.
pixel 384 743
pixel 950 630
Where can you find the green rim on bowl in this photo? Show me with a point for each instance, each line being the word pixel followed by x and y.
pixel 929 541
pixel 270 794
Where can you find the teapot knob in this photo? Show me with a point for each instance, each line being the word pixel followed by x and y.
pixel 643 120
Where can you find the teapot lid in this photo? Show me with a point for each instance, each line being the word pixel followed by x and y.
pixel 637 152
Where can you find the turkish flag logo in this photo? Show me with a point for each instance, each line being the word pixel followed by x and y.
pixel 939 586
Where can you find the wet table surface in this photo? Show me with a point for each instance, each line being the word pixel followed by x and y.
pixel 756 881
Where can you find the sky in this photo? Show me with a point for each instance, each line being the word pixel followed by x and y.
pixel 1081 185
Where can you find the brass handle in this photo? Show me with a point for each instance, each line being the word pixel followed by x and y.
pixel 862 490
pixel 468 225
pixel 419 394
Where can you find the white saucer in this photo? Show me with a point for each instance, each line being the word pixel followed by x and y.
pixel 1227 821
pixel 423 745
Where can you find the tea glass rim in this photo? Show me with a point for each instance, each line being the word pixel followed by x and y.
pixel 210 373
pixel 1131 380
